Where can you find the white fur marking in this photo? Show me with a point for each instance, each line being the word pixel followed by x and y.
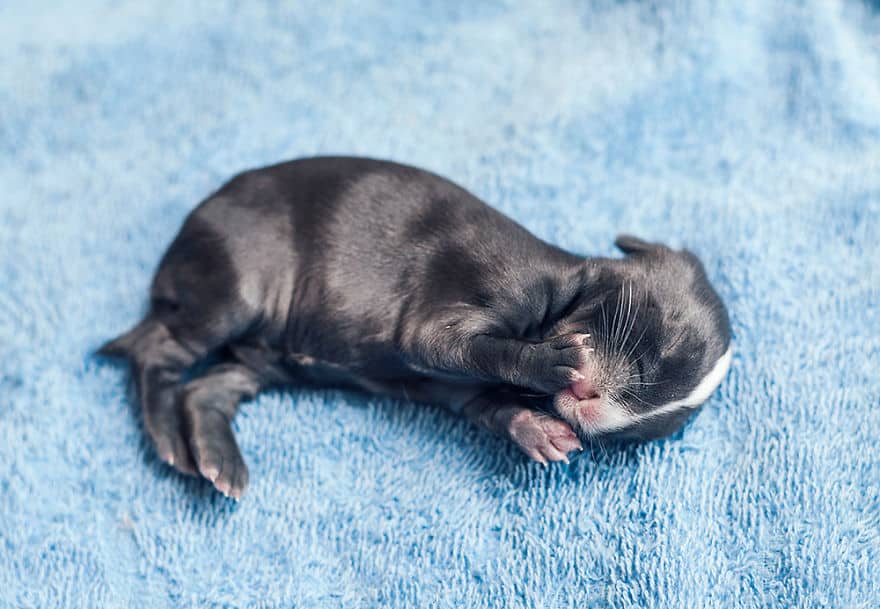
pixel 614 418
pixel 709 383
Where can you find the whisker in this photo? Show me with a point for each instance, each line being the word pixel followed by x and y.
pixel 633 318
pixel 622 406
pixel 629 320
pixel 642 383
pixel 640 357
pixel 633 395
pixel 604 329
pixel 617 309
pixel 619 326
pixel 602 446
pixel 636 344
pixel 598 441
pixel 618 331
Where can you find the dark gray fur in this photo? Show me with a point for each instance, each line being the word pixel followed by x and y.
pixel 374 275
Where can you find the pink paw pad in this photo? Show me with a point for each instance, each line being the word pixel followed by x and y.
pixel 542 437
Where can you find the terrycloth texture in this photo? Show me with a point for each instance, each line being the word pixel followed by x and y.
pixel 749 133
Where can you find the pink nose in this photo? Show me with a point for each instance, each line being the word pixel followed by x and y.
pixel 585 390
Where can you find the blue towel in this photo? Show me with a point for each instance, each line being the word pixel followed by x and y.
pixel 747 131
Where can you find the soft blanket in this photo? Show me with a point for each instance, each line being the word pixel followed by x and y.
pixel 748 131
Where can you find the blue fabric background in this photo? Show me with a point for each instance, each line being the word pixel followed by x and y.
pixel 748 131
